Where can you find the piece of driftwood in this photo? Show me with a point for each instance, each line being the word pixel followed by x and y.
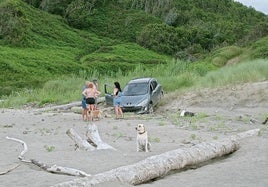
pixel 93 140
pixel 59 169
pixel 94 137
pixel 9 170
pixel 66 106
pixel 265 121
pixel 25 149
pixel 79 142
pixel 52 169
pixel 59 107
pixel 160 165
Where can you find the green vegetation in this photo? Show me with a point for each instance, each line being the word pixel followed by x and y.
pixel 59 91
pixel 49 148
pixel 49 48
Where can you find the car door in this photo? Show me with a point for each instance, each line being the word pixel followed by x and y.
pixel 155 91
pixel 108 90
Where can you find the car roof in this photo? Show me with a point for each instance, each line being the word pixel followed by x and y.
pixel 140 80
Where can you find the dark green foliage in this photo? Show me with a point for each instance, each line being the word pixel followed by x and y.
pixel 212 23
pixel 37 46
pixel 259 31
pixel 79 12
pixel 34 3
pixel 13 23
pixel 163 38
pixel 117 23
pixel 56 6
pixel 260 49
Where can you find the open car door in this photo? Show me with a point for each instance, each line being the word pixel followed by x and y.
pixel 108 90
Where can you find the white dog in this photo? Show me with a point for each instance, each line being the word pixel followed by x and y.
pixel 142 139
pixel 187 113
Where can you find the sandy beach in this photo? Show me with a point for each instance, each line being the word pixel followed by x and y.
pixel 220 113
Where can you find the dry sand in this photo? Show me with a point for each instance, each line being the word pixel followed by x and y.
pixel 219 113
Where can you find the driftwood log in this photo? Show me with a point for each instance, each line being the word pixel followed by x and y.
pixel 66 106
pixel 93 136
pixel 79 142
pixel 160 165
pixel 52 169
pixel 93 139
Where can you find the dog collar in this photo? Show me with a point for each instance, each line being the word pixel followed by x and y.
pixel 142 132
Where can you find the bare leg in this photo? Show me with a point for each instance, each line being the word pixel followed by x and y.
pixel 116 111
pixel 84 113
pixel 88 111
pixel 91 108
pixel 120 111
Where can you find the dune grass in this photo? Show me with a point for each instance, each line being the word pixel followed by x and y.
pixel 173 76
pixel 250 71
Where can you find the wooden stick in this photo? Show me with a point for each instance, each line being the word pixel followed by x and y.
pixel 9 170
pixel 59 169
pixel 25 149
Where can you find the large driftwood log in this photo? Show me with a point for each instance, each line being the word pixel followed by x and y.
pixel 79 142
pixel 93 136
pixel 93 139
pixel 160 165
pixel 51 169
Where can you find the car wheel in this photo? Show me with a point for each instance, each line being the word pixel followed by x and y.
pixel 150 108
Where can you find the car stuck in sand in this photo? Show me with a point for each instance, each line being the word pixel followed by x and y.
pixel 139 95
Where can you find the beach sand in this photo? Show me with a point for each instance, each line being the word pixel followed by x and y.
pixel 219 113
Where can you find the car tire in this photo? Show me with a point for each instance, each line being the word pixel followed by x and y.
pixel 150 108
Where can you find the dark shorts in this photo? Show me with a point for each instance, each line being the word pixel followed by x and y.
pixel 90 101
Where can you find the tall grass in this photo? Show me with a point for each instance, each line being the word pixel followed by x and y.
pixel 250 71
pixel 173 76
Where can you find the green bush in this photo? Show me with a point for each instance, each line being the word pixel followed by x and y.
pixel 13 23
pixel 260 49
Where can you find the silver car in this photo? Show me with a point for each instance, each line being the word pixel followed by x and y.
pixel 139 95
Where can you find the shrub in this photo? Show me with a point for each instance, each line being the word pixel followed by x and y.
pixel 13 23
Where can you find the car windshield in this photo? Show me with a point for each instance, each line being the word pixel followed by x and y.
pixel 135 89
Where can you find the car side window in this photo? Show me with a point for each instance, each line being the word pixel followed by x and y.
pixel 153 84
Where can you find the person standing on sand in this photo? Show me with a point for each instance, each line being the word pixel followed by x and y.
pixel 90 93
pixel 117 100
pixel 84 105
pixel 95 82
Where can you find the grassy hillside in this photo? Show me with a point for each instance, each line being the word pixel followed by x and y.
pixel 45 47
pixel 37 47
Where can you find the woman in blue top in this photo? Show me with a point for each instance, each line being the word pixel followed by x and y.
pixel 117 100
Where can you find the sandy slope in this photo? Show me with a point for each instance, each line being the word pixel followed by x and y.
pixel 219 113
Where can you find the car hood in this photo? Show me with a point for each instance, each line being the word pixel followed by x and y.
pixel 133 100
